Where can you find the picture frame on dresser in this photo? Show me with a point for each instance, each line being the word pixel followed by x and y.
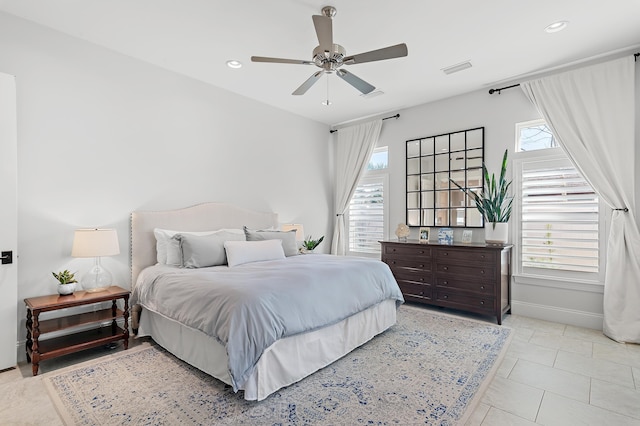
pixel 423 236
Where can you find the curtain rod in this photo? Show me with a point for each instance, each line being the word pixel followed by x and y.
pixel 492 91
pixel 386 118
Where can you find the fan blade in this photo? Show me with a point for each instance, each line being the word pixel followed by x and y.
pixel 390 52
pixel 280 60
pixel 307 84
pixel 356 82
pixel 324 31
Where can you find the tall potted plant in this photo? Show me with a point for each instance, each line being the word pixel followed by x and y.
pixel 494 203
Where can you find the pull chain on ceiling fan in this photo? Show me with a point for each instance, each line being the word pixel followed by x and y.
pixel 330 57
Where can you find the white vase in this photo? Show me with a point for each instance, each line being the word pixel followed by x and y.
pixel 65 289
pixel 496 233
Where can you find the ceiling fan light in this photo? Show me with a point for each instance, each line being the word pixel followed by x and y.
pixel 234 64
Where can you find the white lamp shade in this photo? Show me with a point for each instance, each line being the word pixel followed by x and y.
pixel 298 227
pixel 95 243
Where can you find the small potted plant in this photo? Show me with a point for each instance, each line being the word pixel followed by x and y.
pixel 493 203
pixel 67 282
pixel 309 244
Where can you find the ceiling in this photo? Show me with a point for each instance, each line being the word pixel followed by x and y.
pixel 503 40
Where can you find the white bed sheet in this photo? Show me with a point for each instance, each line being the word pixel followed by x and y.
pixel 285 362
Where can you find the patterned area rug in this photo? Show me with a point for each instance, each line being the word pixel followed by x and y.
pixel 429 368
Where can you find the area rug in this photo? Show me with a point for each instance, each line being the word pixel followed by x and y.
pixel 429 368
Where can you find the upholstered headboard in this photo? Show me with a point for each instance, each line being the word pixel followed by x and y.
pixel 201 217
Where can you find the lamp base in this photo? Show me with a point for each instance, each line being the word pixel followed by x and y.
pixel 97 279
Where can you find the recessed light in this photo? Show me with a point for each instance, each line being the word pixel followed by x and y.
pixel 556 26
pixel 234 64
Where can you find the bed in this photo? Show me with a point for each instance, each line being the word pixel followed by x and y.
pixel 257 326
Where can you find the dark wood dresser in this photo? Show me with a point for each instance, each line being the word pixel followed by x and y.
pixel 468 277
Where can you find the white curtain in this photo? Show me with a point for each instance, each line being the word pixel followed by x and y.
pixel 354 147
pixel 591 111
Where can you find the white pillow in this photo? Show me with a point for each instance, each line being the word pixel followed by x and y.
pixel 168 250
pixel 241 252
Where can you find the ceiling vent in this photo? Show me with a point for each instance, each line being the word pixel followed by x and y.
pixel 457 67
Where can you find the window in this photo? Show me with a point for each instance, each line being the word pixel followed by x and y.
pixel 367 214
pixel 534 135
pixel 558 219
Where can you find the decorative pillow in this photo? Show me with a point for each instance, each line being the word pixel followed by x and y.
pixel 241 252
pixel 200 251
pixel 168 250
pixel 289 244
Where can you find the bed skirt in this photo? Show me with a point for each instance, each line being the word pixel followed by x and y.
pixel 285 362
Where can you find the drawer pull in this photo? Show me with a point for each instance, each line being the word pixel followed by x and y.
pixel 393 250
pixel 445 268
pixel 421 279
pixel 422 266
pixel 482 302
pixel 421 251
pixel 481 287
pixel 482 271
pixel 422 293
pixel 445 297
pixel 482 256
pixel 446 253
pixel 393 262
pixel 445 282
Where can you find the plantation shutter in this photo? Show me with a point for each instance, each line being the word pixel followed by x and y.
pixel 366 216
pixel 559 218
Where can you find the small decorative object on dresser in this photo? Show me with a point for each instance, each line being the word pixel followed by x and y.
pixel 445 236
pixel 467 236
pixel 309 244
pixel 402 232
pixel 424 235
pixel 66 282
pixel 469 277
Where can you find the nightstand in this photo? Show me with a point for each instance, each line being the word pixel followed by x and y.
pixel 97 335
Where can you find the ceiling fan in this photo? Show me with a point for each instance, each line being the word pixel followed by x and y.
pixel 330 57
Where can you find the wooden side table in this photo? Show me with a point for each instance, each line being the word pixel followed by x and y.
pixel 96 336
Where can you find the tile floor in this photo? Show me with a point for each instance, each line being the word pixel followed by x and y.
pixel 552 374
pixel 557 374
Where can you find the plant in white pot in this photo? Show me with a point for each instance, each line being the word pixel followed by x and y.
pixel 66 282
pixel 309 244
pixel 494 203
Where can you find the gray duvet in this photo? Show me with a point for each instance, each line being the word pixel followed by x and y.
pixel 248 307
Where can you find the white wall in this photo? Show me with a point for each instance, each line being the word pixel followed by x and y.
pixel 101 134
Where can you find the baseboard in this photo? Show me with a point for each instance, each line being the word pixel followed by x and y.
pixel 555 314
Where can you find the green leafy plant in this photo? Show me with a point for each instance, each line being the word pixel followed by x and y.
pixel 65 277
pixel 310 244
pixel 494 202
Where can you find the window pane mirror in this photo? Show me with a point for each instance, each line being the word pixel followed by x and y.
pixel 432 163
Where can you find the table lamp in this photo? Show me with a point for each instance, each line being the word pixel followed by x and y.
pixel 95 243
pixel 298 227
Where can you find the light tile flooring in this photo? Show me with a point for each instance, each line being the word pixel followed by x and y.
pixel 552 374
pixel 557 374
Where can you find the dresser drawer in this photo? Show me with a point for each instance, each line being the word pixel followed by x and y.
pixel 411 289
pixel 480 287
pixel 476 256
pixel 458 300
pixel 392 250
pixel 397 262
pixel 477 272
pixel 414 275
